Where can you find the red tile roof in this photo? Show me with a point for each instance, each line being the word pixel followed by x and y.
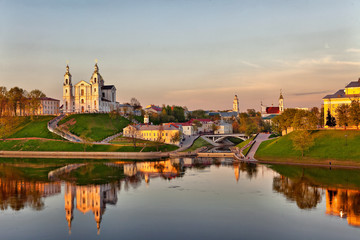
pixel 272 110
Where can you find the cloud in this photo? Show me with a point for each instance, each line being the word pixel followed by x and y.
pixel 353 50
pixel 250 64
pixel 310 93
pixel 327 60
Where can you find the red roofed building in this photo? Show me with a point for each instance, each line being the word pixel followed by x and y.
pixel 267 113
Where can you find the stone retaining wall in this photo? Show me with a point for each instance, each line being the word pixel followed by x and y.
pixel 90 155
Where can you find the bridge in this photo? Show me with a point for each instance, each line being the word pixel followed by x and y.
pixel 220 137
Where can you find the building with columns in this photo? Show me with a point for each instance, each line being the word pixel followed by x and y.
pixel 92 97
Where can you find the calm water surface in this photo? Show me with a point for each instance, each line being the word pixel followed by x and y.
pixel 177 199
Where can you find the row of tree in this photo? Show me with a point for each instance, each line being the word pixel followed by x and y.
pixel 345 115
pixel 18 101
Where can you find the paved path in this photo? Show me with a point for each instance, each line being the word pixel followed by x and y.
pixel 187 143
pixel 259 139
pixel 52 126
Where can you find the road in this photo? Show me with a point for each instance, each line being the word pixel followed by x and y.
pixel 259 139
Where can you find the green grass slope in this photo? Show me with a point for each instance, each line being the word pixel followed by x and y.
pixel 25 128
pixel 328 145
pixel 95 127
pixel 324 177
pixel 198 143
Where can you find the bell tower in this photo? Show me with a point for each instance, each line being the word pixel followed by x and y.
pixel 281 102
pixel 236 104
pixel 68 97
pixel 96 82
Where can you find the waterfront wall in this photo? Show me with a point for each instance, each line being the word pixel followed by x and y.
pixel 90 155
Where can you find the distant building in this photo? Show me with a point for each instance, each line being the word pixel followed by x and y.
pixel 161 133
pixel 268 113
pixel 152 109
pixel 342 96
pixel 87 97
pixel 236 105
pixel 224 128
pixel 48 106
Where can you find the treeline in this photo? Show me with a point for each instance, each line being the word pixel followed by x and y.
pixel 17 101
pixel 250 123
pixel 345 115
pixel 169 114
pixel 297 119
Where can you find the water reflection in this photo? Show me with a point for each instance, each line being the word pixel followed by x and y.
pixel 305 195
pixel 18 194
pixel 307 188
pixel 345 204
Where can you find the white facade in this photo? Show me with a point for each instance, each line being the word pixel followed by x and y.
pixel 224 128
pixel 87 97
pixel 236 104
pixel 49 106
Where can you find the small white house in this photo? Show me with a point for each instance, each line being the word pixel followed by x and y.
pixel 224 128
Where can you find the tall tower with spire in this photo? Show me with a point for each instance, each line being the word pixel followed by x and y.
pixel 236 104
pixel 281 102
pixel 68 97
pixel 97 83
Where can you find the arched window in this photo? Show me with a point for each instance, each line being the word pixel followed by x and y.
pixel 95 103
pixel 82 92
pixel 66 105
pixel 94 89
pixel 65 90
pixel 66 81
pixel 82 100
pixel 94 80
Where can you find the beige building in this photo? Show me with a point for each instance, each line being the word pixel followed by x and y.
pixel 236 104
pixel 87 97
pixel 48 106
pixel 161 133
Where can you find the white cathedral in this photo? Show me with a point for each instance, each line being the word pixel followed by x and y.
pixel 93 97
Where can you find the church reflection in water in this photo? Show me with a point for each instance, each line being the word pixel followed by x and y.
pixel 19 194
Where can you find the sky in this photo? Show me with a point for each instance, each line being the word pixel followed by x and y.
pixel 194 53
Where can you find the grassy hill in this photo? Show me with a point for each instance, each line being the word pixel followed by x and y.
pixel 328 145
pixel 95 127
pixel 24 127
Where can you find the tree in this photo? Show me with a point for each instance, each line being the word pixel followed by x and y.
pixel 354 113
pixel 251 112
pixel 302 140
pixel 16 99
pixel 251 129
pixel 304 120
pixel 197 124
pixel 135 103
pixel 343 115
pixel 214 127
pixel 330 120
pixel 3 100
pixel 176 137
pixel 35 100
pixel 160 139
pixel 133 134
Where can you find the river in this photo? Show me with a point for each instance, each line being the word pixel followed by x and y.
pixel 176 199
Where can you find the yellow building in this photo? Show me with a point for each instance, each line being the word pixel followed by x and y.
pixel 343 96
pixel 152 132
pixel 344 203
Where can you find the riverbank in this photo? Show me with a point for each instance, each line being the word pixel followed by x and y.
pixel 88 155
pixel 330 148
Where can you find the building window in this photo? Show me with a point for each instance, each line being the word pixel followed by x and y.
pixel 65 90
pixel 82 100
pixel 94 89
pixel 103 95
pixel 94 80
pixel 95 103
pixel 82 92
